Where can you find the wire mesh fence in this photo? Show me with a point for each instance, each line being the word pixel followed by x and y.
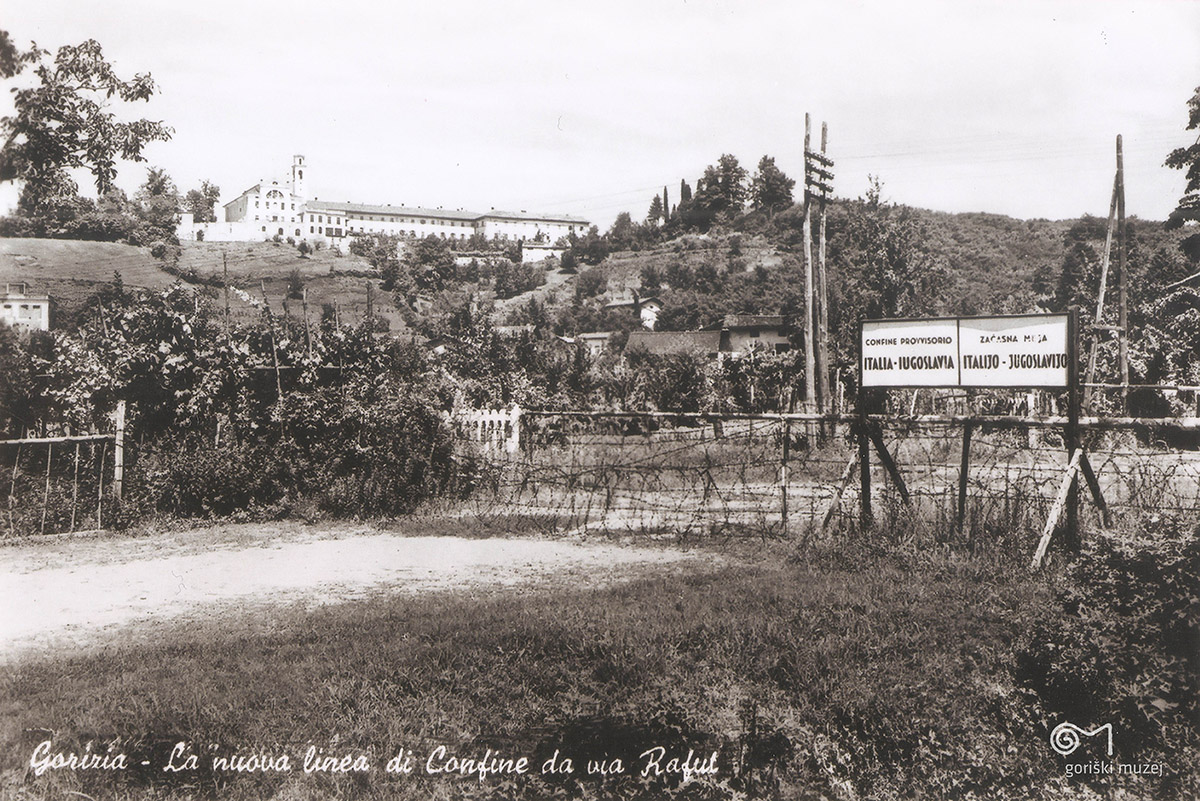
pixel 680 475
pixel 56 485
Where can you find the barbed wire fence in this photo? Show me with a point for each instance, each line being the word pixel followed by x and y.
pixel 970 479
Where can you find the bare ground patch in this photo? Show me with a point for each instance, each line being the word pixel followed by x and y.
pixel 79 593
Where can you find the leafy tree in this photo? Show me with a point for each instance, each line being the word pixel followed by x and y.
pixel 1188 158
pixel 295 285
pixel 666 205
pixel 620 235
pixel 570 263
pixel 770 189
pixel 382 251
pixel 731 181
pixel 656 211
pixel 685 191
pixel 591 248
pixel 65 122
pixel 883 265
pixel 590 284
pixel 430 262
pixel 158 199
pixel 720 193
pixel 202 202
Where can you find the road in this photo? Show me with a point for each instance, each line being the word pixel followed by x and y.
pixel 70 594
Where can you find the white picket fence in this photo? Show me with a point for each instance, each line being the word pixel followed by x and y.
pixel 496 431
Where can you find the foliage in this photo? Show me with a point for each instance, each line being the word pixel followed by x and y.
pixel 655 213
pixel 430 263
pixel 770 189
pixel 202 202
pixel 590 283
pixel 382 251
pixel 65 122
pixel 1188 159
pixel 1122 646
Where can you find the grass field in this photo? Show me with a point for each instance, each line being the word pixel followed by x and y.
pixel 70 271
pixel 840 673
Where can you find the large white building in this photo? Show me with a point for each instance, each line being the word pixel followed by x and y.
pixel 282 208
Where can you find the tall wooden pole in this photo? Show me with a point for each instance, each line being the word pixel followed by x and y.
pixel 119 451
pixel 1122 289
pixel 1094 339
pixel 225 279
pixel 822 300
pixel 810 359
pixel 1072 432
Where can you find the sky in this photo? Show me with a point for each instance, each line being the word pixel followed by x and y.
pixel 591 108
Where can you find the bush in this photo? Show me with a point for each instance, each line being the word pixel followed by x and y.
pixel 364 454
pixel 18 227
pixel 1123 647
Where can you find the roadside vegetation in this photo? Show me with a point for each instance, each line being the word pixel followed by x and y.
pixel 841 671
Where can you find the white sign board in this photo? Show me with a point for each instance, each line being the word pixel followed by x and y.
pixel 1014 351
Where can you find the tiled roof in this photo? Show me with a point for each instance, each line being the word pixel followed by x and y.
pixel 663 342
pixel 402 211
pixel 443 214
pixel 524 215
pixel 754 321
pixel 619 304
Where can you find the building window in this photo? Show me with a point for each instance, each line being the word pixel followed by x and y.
pixel 297 232
pixel 310 229
pixel 264 229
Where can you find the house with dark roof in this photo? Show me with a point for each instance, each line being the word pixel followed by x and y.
pixel 766 332
pixel 647 309
pixel 661 343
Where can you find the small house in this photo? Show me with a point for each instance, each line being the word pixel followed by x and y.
pixel 21 310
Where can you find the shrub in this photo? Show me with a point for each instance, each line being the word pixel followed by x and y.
pixel 1123 647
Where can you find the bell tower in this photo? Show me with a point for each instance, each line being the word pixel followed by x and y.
pixel 298 168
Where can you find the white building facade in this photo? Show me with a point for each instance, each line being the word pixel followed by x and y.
pixel 21 310
pixel 271 209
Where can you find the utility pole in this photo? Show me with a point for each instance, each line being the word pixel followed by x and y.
pixel 225 280
pixel 1121 286
pixel 818 177
pixel 810 358
pixel 1098 323
pixel 822 297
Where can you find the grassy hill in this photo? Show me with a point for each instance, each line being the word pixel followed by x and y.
pixel 71 270
pixel 989 262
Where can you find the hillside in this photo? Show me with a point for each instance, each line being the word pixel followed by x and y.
pixel 71 270
pixel 988 263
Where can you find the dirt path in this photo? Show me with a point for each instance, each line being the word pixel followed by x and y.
pixel 72 593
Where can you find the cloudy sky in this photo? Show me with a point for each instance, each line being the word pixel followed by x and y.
pixel 547 105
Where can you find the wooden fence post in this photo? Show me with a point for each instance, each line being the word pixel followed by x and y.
pixel 46 494
pixel 783 476
pixel 864 461
pixel 119 451
pixel 962 477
